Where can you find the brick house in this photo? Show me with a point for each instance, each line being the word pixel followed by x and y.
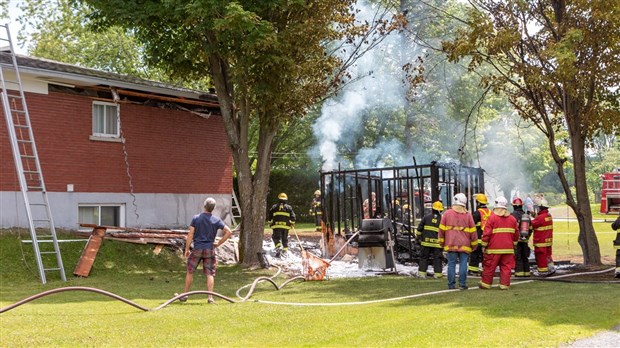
pixel 150 165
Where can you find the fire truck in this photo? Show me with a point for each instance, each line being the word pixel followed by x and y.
pixel 610 192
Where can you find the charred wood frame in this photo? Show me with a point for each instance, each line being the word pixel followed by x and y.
pixel 344 193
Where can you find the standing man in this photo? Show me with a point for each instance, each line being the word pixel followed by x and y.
pixel 543 239
pixel 616 227
pixel 481 215
pixel 522 249
pixel 282 217
pixel 315 210
pixel 498 242
pixel 202 231
pixel 457 236
pixel 427 235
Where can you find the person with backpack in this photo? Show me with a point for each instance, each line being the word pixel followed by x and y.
pixel 522 249
pixel 481 215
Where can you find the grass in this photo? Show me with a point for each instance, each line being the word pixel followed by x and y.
pixel 529 314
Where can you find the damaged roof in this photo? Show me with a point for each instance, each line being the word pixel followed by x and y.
pixel 67 74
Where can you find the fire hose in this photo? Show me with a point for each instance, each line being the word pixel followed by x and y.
pixel 270 280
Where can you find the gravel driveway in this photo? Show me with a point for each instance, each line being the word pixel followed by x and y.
pixel 609 338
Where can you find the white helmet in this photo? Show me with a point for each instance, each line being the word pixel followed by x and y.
pixel 501 202
pixel 460 199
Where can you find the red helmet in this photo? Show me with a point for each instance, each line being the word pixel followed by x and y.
pixel 517 201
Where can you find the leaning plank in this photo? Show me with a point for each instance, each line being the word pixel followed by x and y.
pixel 82 269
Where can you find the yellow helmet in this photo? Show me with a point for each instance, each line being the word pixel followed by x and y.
pixel 283 196
pixel 317 192
pixel 438 206
pixel 406 206
pixel 482 198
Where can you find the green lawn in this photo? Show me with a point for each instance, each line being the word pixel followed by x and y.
pixel 529 314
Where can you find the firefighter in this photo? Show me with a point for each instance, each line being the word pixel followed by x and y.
pixel 542 225
pixel 281 217
pixel 616 227
pixel 480 216
pixel 406 219
pixel 498 241
pixel 315 209
pixel 522 249
pixel 427 236
pixel 458 237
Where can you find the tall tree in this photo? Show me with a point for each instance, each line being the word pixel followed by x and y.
pixel 267 60
pixel 557 62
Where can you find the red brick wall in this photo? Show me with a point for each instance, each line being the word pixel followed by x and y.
pixel 168 151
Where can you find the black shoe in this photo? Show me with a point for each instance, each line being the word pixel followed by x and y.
pixel 465 287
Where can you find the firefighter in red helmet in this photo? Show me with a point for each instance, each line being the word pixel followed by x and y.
pixel 480 216
pixel 542 225
pixel 522 249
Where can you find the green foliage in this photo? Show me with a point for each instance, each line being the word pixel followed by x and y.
pixel 299 187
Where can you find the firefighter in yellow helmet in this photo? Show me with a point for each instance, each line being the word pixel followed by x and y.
pixel 481 215
pixel 426 234
pixel 315 209
pixel 281 217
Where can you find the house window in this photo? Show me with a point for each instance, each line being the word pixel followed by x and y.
pixel 105 120
pixel 102 215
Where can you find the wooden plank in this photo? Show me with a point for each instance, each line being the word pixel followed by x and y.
pixel 157 249
pixel 82 269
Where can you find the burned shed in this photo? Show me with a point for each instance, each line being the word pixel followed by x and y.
pixel 401 194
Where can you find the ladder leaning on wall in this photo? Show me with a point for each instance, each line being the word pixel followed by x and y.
pixel 27 163
pixel 235 210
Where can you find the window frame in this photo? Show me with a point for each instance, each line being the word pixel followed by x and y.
pixel 121 212
pixel 116 135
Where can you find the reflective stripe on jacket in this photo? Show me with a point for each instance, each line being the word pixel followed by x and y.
pixel 457 232
pixel 500 234
pixel 428 230
pixel 281 216
pixel 543 229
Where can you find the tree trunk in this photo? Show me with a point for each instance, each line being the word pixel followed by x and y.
pixel 587 236
pixel 252 187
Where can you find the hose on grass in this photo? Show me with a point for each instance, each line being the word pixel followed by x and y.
pixel 145 309
pixel 270 280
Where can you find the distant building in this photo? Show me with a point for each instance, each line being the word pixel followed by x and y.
pixel 153 167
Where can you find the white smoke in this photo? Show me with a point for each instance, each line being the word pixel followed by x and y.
pixel 380 84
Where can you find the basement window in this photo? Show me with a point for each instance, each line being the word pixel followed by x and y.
pixel 102 215
pixel 105 120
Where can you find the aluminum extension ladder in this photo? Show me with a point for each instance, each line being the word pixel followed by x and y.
pixel 235 210
pixel 27 162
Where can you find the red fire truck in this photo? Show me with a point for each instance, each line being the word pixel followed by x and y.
pixel 610 192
